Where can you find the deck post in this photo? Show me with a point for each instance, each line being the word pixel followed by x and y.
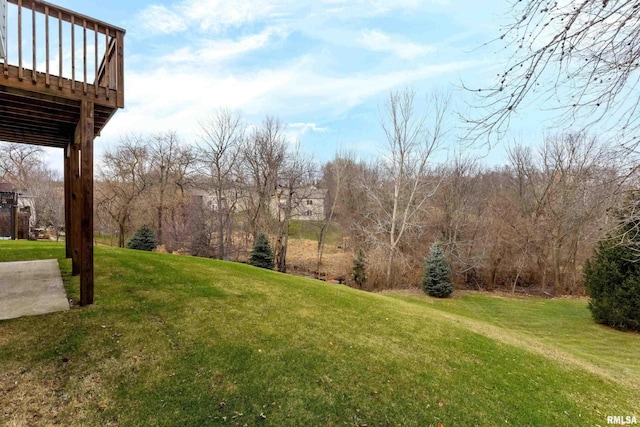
pixel 86 131
pixel 67 201
pixel 75 202
pixel 15 221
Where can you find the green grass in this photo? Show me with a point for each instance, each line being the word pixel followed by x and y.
pixel 186 341
pixel 302 229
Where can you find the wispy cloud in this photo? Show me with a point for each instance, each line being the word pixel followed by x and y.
pixel 210 15
pixel 378 41
pixel 302 128
pixel 376 7
pixel 217 50
pixel 156 19
pixel 218 14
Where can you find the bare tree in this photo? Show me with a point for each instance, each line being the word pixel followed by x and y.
pixel 263 155
pixel 18 162
pixel 461 208
pixel 336 173
pixel 170 164
pixel 580 56
pixel 561 193
pixel 405 187
pixel 293 187
pixel 219 155
pixel 123 178
pixel 24 166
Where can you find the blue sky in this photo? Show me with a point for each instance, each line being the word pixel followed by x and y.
pixel 324 67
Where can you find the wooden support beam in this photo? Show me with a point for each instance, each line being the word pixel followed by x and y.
pixel 75 201
pixel 86 130
pixel 15 222
pixel 67 200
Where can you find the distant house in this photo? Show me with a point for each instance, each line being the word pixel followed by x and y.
pixel 233 199
pixel 17 213
pixel 308 204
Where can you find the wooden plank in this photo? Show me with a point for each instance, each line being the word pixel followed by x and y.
pixel 76 202
pixel 20 68
pixel 16 222
pixel 54 134
pixel 46 30
pixel 3 30
pixel 120 70
pixel 30 138
pixel 38 114
pixel 47 136
pixel 54 98
pixel 67 201
pixel 86 177
pixel 40 106
pixel 95 59
pixel 34 67
pixel 60 56
pixel 104 61
pixel 13 81
pixel 84 55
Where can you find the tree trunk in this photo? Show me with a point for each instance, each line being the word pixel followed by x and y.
pixel 121 235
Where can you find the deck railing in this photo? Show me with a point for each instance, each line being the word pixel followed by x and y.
pixel 65 49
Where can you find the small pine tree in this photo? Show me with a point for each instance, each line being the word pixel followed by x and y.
pixel 143 239
pixel 359 269
pixel 612 280
pixel 262 254
pixel 437 274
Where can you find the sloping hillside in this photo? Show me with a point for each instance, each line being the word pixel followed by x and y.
pixel 185 341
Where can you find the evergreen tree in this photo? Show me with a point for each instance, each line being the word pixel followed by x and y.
pixel 359 269
pixel 612 276
pixel 437 274
pixel 143 239
pixel 262 254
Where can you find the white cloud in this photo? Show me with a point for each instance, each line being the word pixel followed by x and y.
pixel 155 102
pixel 302 128
pixel 380 42
pixel 219 15
pixel 376 7
pixel 215 51
pixel 210 15
pixel 160 20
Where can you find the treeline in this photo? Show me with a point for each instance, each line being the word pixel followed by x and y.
pixel 528 225
pixel 209 198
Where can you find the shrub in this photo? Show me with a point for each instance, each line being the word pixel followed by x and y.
pixel 143 239
pixel 612 280
pixel 262 254
pixel 359 273
pixel 437 274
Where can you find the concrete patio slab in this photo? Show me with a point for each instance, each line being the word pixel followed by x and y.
pixel 28 288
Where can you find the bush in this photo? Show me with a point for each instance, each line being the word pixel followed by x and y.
pixel 437 274
pixel 612 280
pixel 262 254
pixel 143 239
pixel 358 273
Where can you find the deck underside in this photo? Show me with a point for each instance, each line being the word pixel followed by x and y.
pixel 47 115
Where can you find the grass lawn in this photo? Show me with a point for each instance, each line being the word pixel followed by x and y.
pixel 187 342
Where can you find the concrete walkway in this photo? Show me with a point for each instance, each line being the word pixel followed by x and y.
pixel 28 288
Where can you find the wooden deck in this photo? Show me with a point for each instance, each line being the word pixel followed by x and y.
pixel 61 80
